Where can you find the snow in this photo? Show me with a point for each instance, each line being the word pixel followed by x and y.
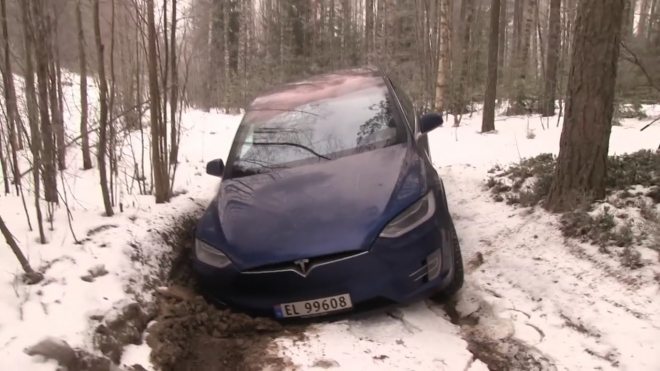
pixel 533 287
pixel 63 305
pixel 564 302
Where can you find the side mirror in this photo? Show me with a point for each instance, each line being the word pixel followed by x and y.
pixel 430 121
pixel 215 167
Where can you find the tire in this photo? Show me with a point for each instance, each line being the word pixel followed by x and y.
pixel 459 275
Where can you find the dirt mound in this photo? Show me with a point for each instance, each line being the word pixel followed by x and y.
pixel 500 353
pixel 124 328
pixel 188 333
pixel 195 335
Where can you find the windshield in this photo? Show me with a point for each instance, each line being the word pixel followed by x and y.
pixel 314 130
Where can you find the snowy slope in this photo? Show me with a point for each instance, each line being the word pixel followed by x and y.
pixel 533 289
pixel 127 245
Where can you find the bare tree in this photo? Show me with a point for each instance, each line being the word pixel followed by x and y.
pixel 174 95
pixel 41 47
pixel 548 108
pixel 84 105
pixel 103 114
pixel 31 276
pixel 158 132
pixel 55 109
pixel 32 108
pixel 11 105
pixel 488 123
pixel 444 56
pixel 583 148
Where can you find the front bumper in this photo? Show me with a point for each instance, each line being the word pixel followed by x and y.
pixel 392 271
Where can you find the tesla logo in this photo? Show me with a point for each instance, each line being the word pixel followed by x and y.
pixel 302 263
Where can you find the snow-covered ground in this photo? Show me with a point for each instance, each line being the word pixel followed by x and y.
pixel 128 245
pixel 547 302
pixel 554 296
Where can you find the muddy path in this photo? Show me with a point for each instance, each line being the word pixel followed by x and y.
pixel 187 333
pixel 190 334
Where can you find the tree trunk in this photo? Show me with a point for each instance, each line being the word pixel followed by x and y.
pixel 584 144
pixel 550 84
pixel 369 29
pixel 31 276
pixel 519 105
pixel 444 57
pixel 56 114
pixel 174 95
pixel 10 100
pixel 42 59
pixel 33 114
pixel 631 17
pixel 103 113
pixel 502 38
pixel 56 99
pixel 161 179
pixel 84 105
pixel 3 165
pixel 461 91
pixel 488 123
pixel 653 29
pixel 643 18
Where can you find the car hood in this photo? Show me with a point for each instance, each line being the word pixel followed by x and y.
pixel 313 210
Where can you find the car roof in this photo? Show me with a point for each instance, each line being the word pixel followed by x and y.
pixel 318 87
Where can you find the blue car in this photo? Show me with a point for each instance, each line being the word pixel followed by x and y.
pixel 329 202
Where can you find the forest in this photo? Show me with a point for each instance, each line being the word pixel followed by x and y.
pixel 107 86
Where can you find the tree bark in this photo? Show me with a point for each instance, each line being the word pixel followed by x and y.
pixel 42 59
pixel 582 162
pixel 631 17
pixel 33 114
pixel 56 113
pixel 550 86
pixel 3 165
pixel 461 94
pixel 10 100
pixel 31 276
pixel 103 113
pixel 643 18
pixel 84 105
pixel 369 29
pixel 519 105
pixel 161 180
pixel 444 57
pixel 488 123
pixel 503 30
pixel 174 95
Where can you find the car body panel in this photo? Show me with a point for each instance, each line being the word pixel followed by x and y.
pixel 383 272
pixel 312 210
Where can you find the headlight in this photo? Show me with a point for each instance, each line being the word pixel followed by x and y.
pixel 411 218
pixel 210 255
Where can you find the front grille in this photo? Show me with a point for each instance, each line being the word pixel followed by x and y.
pixel 312 262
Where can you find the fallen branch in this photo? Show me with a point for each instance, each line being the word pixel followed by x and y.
pixel 652 122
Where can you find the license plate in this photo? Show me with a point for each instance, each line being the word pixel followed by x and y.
pixel 314 307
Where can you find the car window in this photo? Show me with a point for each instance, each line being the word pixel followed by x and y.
pixel 408 108
pixel 336 125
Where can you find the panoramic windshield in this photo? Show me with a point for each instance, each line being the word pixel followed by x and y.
pixel 307 128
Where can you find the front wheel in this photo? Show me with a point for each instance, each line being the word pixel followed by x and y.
pixel 459 275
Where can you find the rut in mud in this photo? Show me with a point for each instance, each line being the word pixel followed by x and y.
pixel 191 334
pixel 503 353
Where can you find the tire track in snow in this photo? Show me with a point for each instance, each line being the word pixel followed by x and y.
pixel 588 318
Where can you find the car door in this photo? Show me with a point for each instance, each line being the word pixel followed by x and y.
pixel 413 120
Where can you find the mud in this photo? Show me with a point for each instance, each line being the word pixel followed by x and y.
pixel 188 333
pixel 124 328
pixel 506 354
